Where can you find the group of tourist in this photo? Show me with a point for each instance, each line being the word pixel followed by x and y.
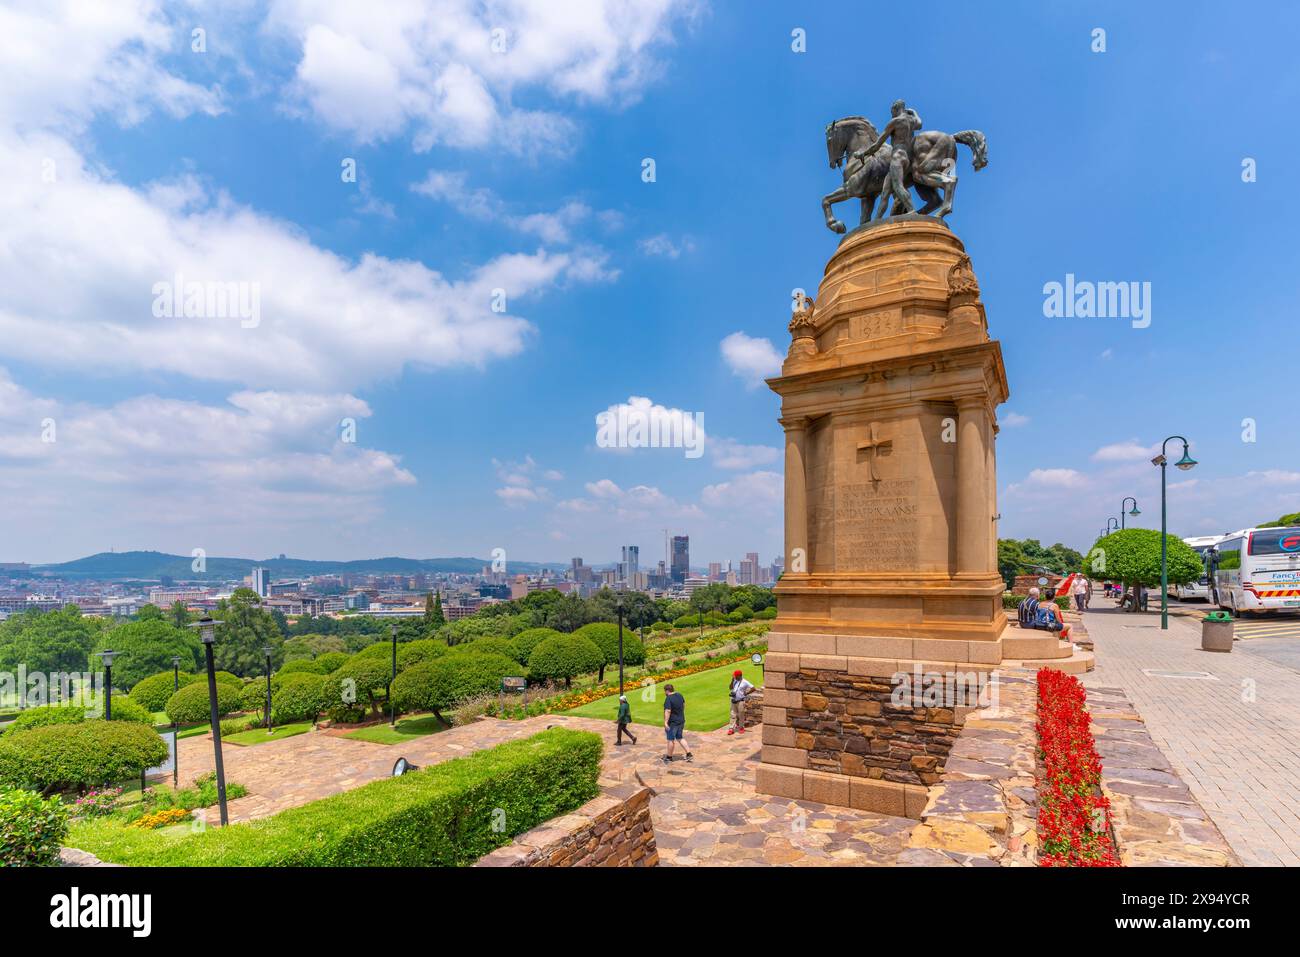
pixel 675 716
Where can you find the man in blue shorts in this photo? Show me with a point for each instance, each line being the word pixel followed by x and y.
pixel 674 722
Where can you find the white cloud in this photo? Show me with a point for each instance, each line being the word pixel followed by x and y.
pixel 1013 419
pixel 374 71
pixel 1275 477
pixel 326 321
pixel 730 454
pixel 556 226
pixel 664 245
pixel 1056 478
pixel 521 484
pixel 64 61
pixel 754 489
pixel 1130 451
pixel 751 359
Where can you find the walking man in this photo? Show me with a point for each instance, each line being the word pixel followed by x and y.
pixel 1082 588
pixel 624 720
pixel 674 723
pixel 740 689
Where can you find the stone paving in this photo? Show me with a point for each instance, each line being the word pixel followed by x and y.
pixel 1233 737
pixel 705 811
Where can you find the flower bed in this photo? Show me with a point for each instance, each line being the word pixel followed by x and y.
pixel 1074 825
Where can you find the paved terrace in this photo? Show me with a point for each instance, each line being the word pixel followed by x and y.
pixel 1233 737
pixel 705 812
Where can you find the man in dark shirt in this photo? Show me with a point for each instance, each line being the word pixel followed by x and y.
pixel 1028 609
pixel 674 722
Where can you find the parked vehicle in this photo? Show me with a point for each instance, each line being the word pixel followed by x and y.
pixel 1257 569
pixel 1199 589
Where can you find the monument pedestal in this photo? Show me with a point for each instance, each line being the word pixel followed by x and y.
pixel 888 399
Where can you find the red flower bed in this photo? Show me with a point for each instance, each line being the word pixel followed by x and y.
pixel 1073 815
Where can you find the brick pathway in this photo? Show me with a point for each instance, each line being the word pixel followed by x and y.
pixel 1234 738
pixel 705 812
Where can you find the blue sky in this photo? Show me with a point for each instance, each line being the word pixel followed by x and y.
pixel 521 170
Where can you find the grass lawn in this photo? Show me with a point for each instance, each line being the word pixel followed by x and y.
pixel 407 728
pixel 707 705
pixel 261 735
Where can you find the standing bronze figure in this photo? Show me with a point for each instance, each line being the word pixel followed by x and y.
pixel 926 161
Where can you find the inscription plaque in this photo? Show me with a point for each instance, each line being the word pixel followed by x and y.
pixel 874 325
pixel 875 525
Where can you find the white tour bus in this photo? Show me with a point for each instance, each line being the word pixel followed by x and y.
pixel 1201 587
pixel 1257 569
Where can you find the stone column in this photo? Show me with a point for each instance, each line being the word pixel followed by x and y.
pixel 974 520
pixel 796 494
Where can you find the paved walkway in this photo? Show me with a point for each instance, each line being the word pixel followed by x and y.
pixel 705 811
pixel 1234 737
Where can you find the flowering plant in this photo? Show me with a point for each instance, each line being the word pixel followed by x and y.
pixel 97 803
pixel 1074 823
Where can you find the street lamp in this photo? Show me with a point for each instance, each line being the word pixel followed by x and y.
pixel 1136 511
pixel 618 604
pixel 1112 528
pixel 207 629
pixel 176 756
pixel 1185 463
pixel 392 708
pixel 108 657
pixel 266 650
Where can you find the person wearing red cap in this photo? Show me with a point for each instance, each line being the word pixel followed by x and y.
pixel 739 691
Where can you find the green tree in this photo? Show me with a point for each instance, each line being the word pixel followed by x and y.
pixel 149 613
pixel 605 637
pixel 441 683
pixel 433 616
pixel 1132 556
pixel 564 656
pixel 245 628
pixel 146 648
pixel 178 614
pixel 51 641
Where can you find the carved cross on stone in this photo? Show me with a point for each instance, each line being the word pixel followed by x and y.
pixel 875 447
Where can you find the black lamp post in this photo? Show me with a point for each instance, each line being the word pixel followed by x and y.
pixel 1112 527
pixel 1136 511
pixel 176 751
pixel 207 629
pixel 1185 463
pixel 108 657
pixel 392 707
pixel 619 605
pixel 266 650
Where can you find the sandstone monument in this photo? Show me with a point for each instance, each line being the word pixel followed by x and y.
pixel 888 401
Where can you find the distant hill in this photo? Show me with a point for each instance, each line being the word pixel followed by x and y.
pixel 151 566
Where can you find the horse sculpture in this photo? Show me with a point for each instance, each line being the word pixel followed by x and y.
pixel 930 168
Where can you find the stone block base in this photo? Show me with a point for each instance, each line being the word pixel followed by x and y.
pixel 841 790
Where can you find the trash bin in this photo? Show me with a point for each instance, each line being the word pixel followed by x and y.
pixel 1216 631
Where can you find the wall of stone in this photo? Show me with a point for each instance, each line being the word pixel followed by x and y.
pixel 613 830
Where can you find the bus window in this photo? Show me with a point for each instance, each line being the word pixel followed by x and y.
pixel 1229 555
pixel 1275 541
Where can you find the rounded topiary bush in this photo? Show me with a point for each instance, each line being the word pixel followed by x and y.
pixel 32 828
pixel 152 693
pixel 767 614
pixel 528 639
pixel 414 652
pixel 63 756
pixel 443 682
pixel 487 645
pixel 362 680
pixel 252 696
pixel 604 635
pixel 308 666
pixel 300 697
pixel 190 704
pixel 661 626
pixel 225 677
pixel 331 661
pixel 124 709
pixel 44 716
pixel 565 656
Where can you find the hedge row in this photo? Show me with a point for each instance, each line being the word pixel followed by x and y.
pixel 450 814
pixel 63 756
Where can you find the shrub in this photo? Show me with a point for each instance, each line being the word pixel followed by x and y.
pixel 445 815
pixel 124 709
pixel 661 626
pixel 299 698
pixel 488 644
pixel 564 656
pixel 32 829
pixel 252 696
pixel 444 682
pixel 225 677
pixel 157 819
pixel 528 639
pixel 1010 600
pixel 332 661
pixel 415 652
pixel 308 666
pixel 190 704
pixel 767 614
pixel 605 637
pixel 363 679
pixel 152 693
pixel 63 756
pixel 45 716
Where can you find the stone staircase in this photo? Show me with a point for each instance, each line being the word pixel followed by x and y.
pixel 1039 649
